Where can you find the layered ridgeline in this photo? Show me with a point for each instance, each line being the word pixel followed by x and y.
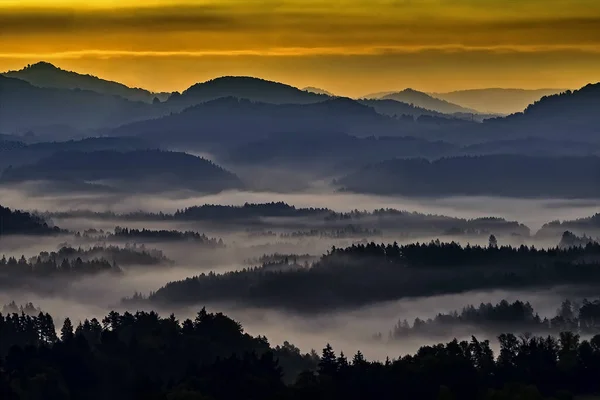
pixel 46 75
pixel 152 170
pixel 494 175
pixel 46 99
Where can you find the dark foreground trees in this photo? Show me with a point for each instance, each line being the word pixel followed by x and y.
pixel 144 356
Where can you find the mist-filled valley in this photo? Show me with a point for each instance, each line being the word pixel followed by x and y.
pixel 244 225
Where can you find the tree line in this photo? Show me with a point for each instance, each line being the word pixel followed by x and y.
pixel 367 273
pixel 124 233
pixel 517 317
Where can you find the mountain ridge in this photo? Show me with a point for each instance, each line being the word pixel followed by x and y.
pixel 46 75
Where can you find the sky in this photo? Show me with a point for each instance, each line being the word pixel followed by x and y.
pixel 350 47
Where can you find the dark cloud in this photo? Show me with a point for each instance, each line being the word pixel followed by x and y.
pixel 179 18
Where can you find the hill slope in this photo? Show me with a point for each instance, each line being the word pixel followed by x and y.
pixel 43 74
pixel 152 170
pixel 572 115
pixel 26 107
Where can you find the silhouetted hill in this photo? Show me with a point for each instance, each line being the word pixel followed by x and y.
pixel 572 115
pixel 152 170
pixel 495 175
pixel 26 107
pixel 423 100
pixel 43 74
pixel 14 153
pixel 243 87
pixel 316 90
pixel 23 223
pixel 495 100
pixel 229 120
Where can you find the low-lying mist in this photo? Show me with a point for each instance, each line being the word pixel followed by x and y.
pixel 532 212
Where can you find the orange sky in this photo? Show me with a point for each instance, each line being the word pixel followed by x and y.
pixel 350 47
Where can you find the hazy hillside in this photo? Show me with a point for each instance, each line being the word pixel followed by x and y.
pixel 230 120
pixel 242 87
pixel 14 153
pixel 153 170
pixel 328 153
pixel 46 75
pixel 24 107
pixel 495 175
pixel 583 226
pixel 502 101
pixel 426 101
pixel 572 115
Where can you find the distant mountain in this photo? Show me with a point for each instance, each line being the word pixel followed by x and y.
pixel 243 87
pixel 572 115
pixel 46 75
pixel 494 175
pixel 24 107
pixel 502 101
pixel 315 90
pixel 423 100
pixel 139 170
pixel 15 153
pixel 230 120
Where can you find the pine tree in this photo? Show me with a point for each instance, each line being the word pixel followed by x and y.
pixel 66 332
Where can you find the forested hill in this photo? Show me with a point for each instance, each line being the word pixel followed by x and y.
pixel 571 115
pixel 23 223
pixel 139 169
